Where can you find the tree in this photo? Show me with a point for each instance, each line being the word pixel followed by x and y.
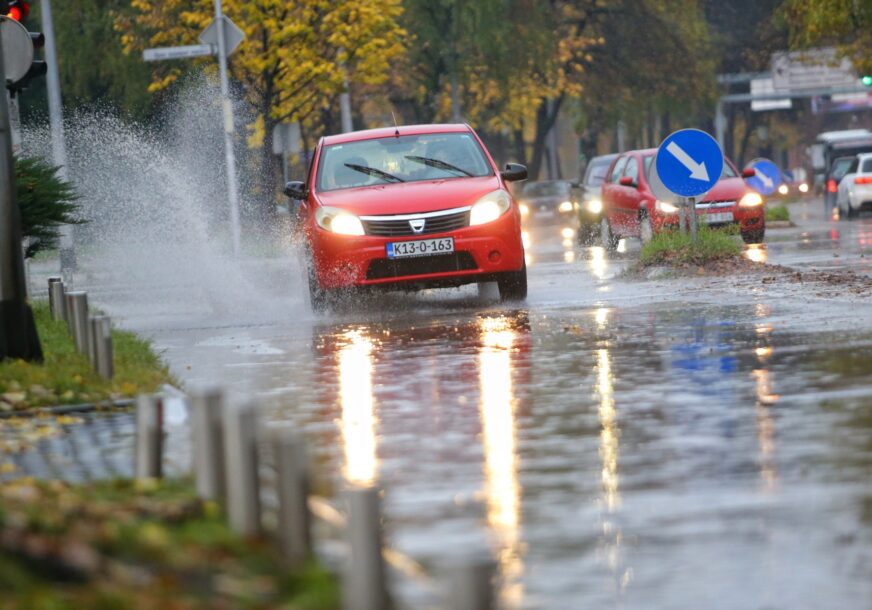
pixel 846 24
pixel 296 58
pixel 45 200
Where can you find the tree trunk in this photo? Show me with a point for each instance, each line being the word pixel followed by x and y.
pixel 546 116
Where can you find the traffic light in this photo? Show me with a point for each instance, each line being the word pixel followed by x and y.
pixel 866 79
pixel 15 9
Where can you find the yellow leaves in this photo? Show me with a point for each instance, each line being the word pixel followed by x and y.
pixel 256 133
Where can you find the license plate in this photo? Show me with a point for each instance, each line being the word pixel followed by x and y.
pixel 718 217
pixel 420 247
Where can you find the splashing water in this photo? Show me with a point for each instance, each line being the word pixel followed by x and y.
pixel 157 239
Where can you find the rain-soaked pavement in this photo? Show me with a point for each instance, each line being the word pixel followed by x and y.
pixel 683 443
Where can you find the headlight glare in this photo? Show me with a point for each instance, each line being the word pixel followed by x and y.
pixel 525 209
pixel 489 208
pixel 565 206
pixel 594 206
pixel 665 207
pixel 782 189
pixel 338 221
pixel 751 200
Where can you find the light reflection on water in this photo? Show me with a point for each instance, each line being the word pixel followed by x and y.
pixel 358 423
pixel 497 406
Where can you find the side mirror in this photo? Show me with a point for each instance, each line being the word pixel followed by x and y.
pixel 627 181
pixel 296 190
pixel 749 172
pixel 513 172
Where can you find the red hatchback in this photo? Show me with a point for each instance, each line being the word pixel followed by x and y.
pixel 407 208
pixel 630 208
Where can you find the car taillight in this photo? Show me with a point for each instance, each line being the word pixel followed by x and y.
pixel 832 187
pixel 863 180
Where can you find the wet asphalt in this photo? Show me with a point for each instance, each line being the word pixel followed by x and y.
pixel 678 443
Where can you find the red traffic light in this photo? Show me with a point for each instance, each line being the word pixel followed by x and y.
pixel 18 10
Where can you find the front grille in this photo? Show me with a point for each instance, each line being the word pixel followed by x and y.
pixel 432 224
pixel 383 268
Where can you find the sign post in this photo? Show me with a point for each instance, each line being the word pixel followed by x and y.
pixel 220 38
pixel 688 164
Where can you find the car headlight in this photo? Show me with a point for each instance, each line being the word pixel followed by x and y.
pixel 489 208
pixel 782 189
pixel 594 206
pixel 664 207
pixel 803 188
pixel 565 206
pixel 751 200
pixel 525 209
pixel 338 221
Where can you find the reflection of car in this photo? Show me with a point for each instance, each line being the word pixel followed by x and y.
pixel 409 207
pixel 591 206
pixel 547 201
pixel 855 188
pixel 630 208
pixel 837 171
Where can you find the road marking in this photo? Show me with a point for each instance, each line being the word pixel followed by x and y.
pixel 697 170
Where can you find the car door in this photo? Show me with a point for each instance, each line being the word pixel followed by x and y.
pixel 610 191
pixel 846 185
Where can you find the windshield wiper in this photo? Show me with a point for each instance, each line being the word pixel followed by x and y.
pixel 371 171
pixel 439 164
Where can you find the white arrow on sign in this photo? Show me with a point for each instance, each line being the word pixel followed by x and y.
pixel 766 180
pixel 697 170
pixel 194 50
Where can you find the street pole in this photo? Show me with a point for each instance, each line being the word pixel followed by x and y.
pixel 56 121
pixel 18 338
pixel 691 206
pixel 227 108
pixel 345 106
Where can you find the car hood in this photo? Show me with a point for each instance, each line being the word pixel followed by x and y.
pixel 727 189
pixel 410 197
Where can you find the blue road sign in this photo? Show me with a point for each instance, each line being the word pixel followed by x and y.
pixel 689 162
pixel 767 177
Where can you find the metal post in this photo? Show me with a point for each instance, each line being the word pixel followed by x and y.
pixel 79 320
pixel 694 233
pixel 56 121
pixel 207 438
pixel 68 312
pixel 56 299
pixel 227 107
pixel 720 123
pixel 103 351
pixel 471 584
pixel 682 215
pixel 292 473
pixel 149 436
pixel 18 337
pixel 92 340
pixel 240 457
pixel 364 578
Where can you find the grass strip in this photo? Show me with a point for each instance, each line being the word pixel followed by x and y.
pixel 777 213
pixel 674 248
pixel 126 545
pixel 67 377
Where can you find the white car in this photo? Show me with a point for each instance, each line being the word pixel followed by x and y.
pixel 855 188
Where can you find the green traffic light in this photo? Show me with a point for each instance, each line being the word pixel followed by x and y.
pixel 867 80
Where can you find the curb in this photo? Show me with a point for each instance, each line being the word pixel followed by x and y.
pixel 170 391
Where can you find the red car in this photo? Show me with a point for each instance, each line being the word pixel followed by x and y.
pixel 630 208
pixel 407 208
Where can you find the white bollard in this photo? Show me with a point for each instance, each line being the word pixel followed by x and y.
pixel 149 436
pixel 364 584
pixel 471 583
pixel 56 300
pixel 241 461
pixel 292 476
pixel 207 438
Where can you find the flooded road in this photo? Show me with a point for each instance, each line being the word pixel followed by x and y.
pixel 685 443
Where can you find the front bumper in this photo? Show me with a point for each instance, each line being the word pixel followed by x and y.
pixel 480 252
pixel 747 219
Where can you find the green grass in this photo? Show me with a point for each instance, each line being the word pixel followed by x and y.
pixel 126 545
pixel 776 213
pixel 67 377
pixel 676 249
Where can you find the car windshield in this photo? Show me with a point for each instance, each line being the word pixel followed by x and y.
pixel 430 156
pixel 546 189
pixel 596 171
pixel 727 172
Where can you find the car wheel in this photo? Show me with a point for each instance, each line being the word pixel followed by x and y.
pixel 585 234
pixel 851 213
pixel 513 285
pixel 646 229
pixel 753 237
pixel 607 237
pixel 319 297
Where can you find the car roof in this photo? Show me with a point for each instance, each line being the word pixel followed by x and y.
pixel 607 157
pixel 404 130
